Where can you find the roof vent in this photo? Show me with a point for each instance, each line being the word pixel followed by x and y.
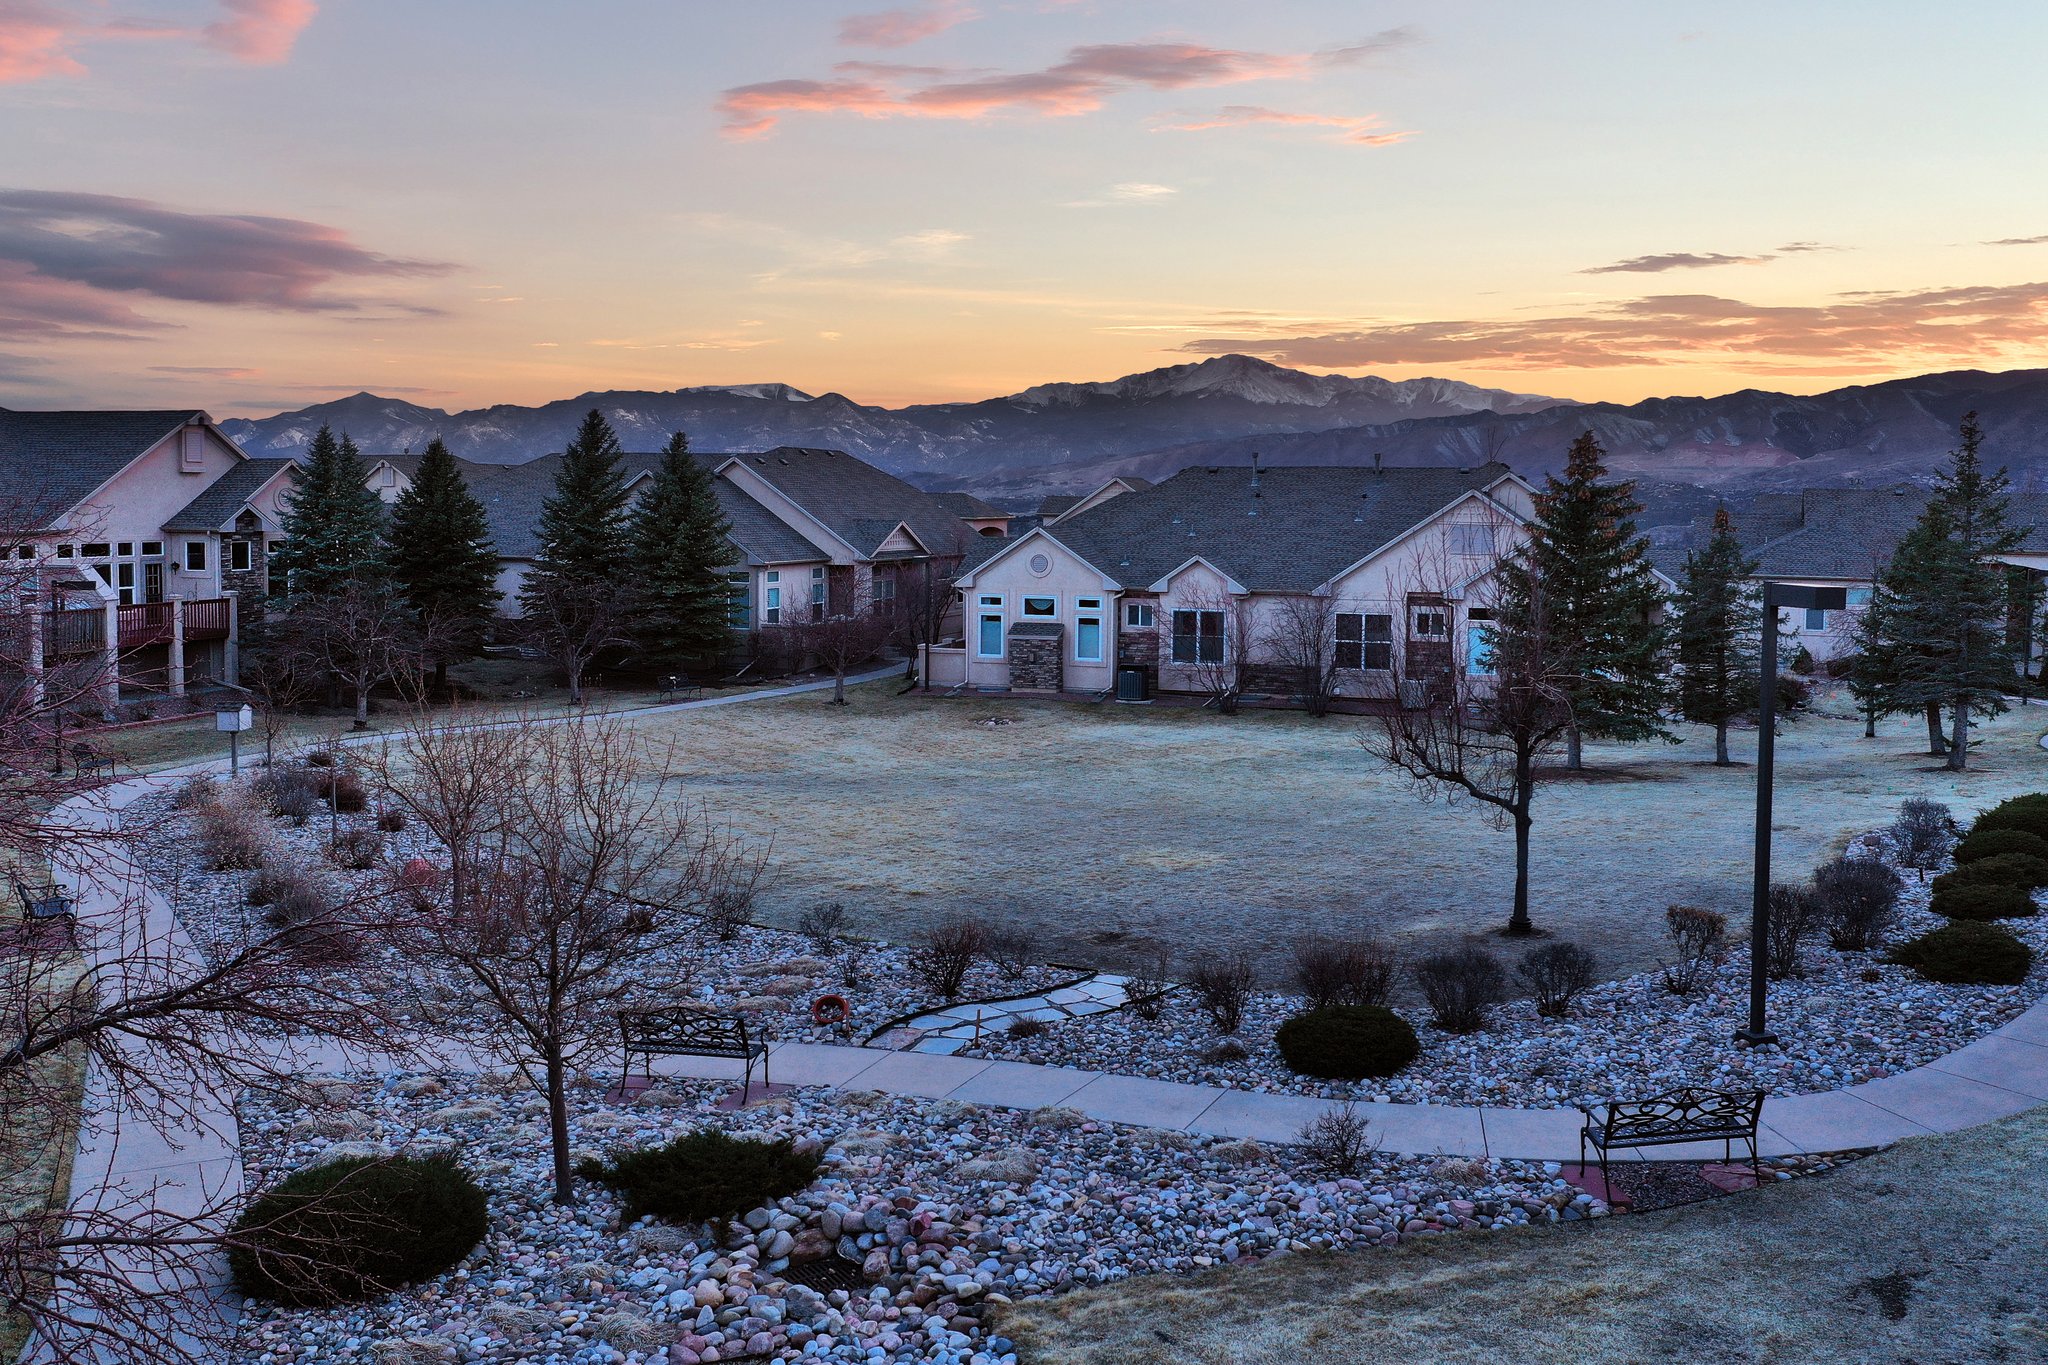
pixel 1255 475
pixel 1377 463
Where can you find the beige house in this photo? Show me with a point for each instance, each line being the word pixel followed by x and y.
pixel 1229 577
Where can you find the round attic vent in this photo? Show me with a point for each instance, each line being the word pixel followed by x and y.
pixel 1041 564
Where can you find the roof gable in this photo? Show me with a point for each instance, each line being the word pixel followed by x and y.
pixel 50 462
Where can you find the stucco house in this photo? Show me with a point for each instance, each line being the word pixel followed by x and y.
pixel 1212 569
pixel 142 536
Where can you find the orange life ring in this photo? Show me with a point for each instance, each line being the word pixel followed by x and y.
pixel 828 1010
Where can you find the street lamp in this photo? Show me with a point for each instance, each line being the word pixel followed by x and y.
pixel 1777 597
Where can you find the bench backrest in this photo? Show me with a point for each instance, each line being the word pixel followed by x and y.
pixel 1685 1110
pixel 691 1032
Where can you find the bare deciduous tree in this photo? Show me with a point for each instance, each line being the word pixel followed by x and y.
pixel 1302 639
pixel 839 644
pixel 363 635
pixel 1219 663
pixel 571 623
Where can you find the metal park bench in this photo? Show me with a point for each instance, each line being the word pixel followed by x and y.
pixel 690 1033
pixel 42 900
pixel 90 761
pixel 675 685
pixel 1687 1114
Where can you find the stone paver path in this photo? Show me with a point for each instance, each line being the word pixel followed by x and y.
pixel 947 1031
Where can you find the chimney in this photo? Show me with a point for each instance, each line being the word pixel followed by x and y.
pixel 1255 474
pixel 1377 466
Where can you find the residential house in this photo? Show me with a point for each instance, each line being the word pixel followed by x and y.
pixel 144 538
pixel 1204 575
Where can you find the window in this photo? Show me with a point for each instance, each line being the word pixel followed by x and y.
pixel 238 555
pixel 1087 604
pixel 1479 650
pixel 195 556
pixel 1379 642
pixel 885 594
pixel 1088 640
pixel 1472 541
pixel 818 594
pixel 1350 640
pixel 1859 597
pixel 989 642
pixel 124 579
pixel 66 551
pixel 739 600
pixel 771 607
pixel 125 549
pixel 1198 637
pixel 1138 615
pixel 991 599
pixel 96 549
pixel 772 576
pixel 1041 608
pixel 1429 623
pixel 1816 619
pixel 152 547
pixel 25 552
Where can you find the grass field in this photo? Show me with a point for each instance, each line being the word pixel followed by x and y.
pixel 1102 827
pixel 1928 1252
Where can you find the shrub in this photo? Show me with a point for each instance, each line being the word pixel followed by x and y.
pixel 1556 972
pixel 1011 950
pixel 1990 843
pixel 2001 869
pixel 1698 936
pixel 822 925
pixel 341 789
pixel 359 849
pixel 1026 1028
pixel 1223 984
pixel 273 881
pixel 197 794
pixel 1147 982
pixel 703 1176
pixel 1859 898
pixel 2027 814
pixel 234 836
pixel 1923 834
pixel 391 821
pixel 1336 1141
pixel 356 1228
pixel 299 900
pixel 1967 954
pixel 1339 971
pixel 1983 902
pixel 1229 1050
pixel 1461 986
pixel 1795 910
pixel 1347 1042
pixel 949 950
pixel 319 758
pixel 1802 661
pixel 728 909
pixel 286 793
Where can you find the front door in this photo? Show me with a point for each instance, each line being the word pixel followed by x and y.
pixel 153 582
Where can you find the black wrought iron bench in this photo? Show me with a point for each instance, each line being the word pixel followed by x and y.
pixel 675 685
pixel 42 900
pixel 1688 1114
pixel 690 1033
pixel 90 761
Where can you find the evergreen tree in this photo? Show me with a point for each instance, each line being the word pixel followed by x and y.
pixel 1947 626
pixel 333 524
pixel 679 552
pixel 1602 600
pixel 1871 666
pixel 442 560
pixel 1719 619
pixel 583 535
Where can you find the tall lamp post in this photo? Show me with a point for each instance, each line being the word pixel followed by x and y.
pixel 1777 597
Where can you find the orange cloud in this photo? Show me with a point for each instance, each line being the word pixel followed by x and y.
pixel 38 41
pixel 901 27
pixel 1365 130
pixel 1078 85
pixel 1910 328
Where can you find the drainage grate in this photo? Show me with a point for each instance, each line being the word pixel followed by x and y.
pixel 826 1275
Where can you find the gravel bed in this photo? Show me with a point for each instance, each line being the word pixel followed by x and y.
pixel 1852 1018
pixel 934 1210
pixel 771 975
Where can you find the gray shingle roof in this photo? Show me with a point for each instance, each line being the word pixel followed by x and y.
pixel 223 498
pixel 966 506
pixel 1305 524
pixel 50 461
pixel 1844 533
pixel 861 503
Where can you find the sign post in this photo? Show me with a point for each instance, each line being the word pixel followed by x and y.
pixel 231 721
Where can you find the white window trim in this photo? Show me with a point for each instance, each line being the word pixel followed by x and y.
pixel 1023 599
pixel 1101 638
pixel 1151 614
pixel 982 617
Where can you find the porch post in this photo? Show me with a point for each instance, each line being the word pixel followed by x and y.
pixel 231 652
pixel 110 687
pixel 177 669
pixel 39 625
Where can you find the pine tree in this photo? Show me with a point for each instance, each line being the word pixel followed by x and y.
pixel 442 559
pixel 1603 600
pixel 679 553
pixel 1946 629
pixel 1871 666
pixel 333 524
pixel 1719 612
pixel 577 598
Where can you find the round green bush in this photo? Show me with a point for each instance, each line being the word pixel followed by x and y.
pixel 2027 814
pixel 1968 954
pixel 1987 901
pixel 1348 1042
pixel 2003 869
pixel 356 1228
pixel 1991 843
pixel 703 1176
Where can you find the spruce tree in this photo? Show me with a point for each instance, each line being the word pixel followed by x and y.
pixel 1871 667
pixel 1719 610
pixel 333 523
pixel 1602 598
pixel 583 535
pixel 679 553
pixel 442 560
pixel 1948 625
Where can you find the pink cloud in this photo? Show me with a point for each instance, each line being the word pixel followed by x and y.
pixel 1078 85
pixel 901 27
pixel 1366 130
pixel 39 41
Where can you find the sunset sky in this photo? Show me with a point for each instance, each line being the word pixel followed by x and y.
pixel 247 205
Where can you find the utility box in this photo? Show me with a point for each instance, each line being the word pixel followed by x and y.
pixel 1133 683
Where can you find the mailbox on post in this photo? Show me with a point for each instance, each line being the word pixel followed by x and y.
pixel 231 721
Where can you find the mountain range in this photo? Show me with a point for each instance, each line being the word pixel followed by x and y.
pixel 1069 437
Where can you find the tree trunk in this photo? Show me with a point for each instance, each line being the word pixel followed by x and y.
pixel 1721 759
pixel 575 685
pixel 839 687
pixel 441 677
pixel 362 708
pixel 1519 922
pixel 1936 745
pixel 558 1124
pixel 1870 722
pixel 1574 755
pixel 1959 738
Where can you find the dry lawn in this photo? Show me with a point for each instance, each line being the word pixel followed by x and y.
pixel 1099 827
pixel 1929 1252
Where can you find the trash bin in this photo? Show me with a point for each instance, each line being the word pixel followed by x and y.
pixel 1133 683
